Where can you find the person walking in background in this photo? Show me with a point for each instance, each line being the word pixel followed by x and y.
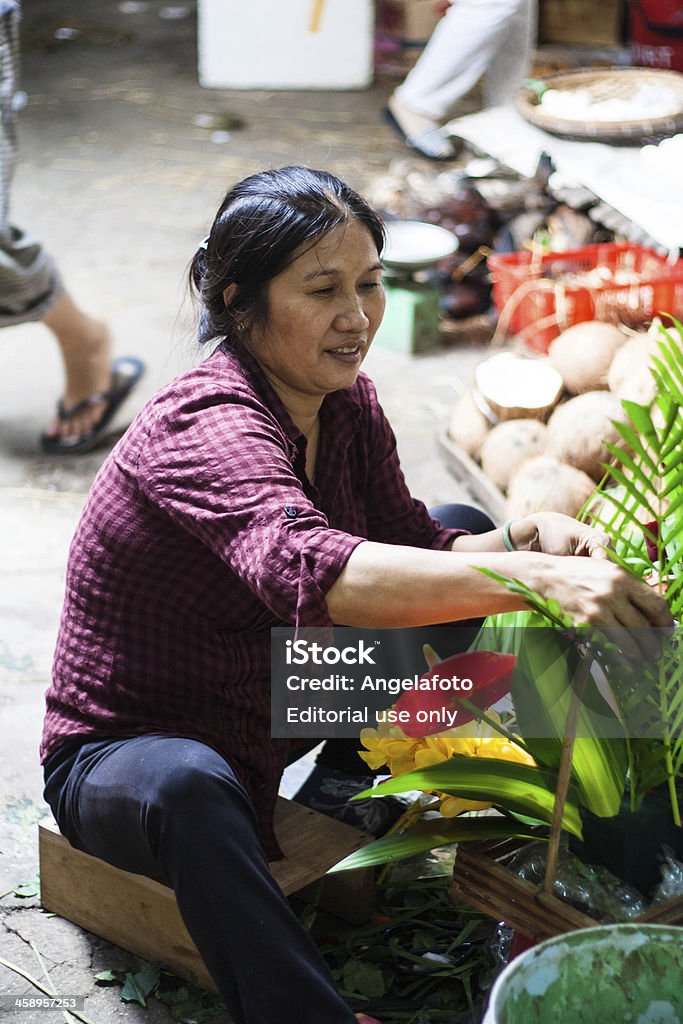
pixel 475 38
pixel 31 289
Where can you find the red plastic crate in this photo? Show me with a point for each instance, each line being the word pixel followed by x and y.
pixel 657 33
pixel 537 298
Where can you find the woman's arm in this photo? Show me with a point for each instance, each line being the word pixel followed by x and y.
pixel 388 586
pixel 549 532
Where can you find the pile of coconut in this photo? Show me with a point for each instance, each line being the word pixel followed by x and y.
pixel 539 425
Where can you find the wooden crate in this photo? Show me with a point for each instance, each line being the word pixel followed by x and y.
pixel 420 18
pixel 469 473
pixel 482 879
pixel 580 22
pixel 142 916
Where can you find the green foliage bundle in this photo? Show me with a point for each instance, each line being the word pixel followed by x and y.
pixel 630 721
pixel 639 504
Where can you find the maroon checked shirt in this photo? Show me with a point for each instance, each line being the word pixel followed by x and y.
pixel 201 532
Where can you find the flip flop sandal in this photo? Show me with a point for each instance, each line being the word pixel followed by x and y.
pixel 430 142
pixel 126 372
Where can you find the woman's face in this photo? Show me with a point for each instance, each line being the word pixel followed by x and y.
pixel 323 312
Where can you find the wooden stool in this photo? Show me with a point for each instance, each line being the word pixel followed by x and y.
pixel 142 916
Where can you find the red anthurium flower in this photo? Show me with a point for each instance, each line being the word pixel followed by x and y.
pixel 651 532
pixel 482 677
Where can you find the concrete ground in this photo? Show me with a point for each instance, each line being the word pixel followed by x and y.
pixel 120 173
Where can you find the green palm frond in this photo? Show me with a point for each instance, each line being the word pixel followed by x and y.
pixel 668 367
pixel 643 483
pixel 639 505
pixel 549 609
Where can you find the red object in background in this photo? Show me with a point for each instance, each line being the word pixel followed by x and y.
pixel 651 530
pixel 657 33
pixel 491 676
pixel 520 943
pixel 524 294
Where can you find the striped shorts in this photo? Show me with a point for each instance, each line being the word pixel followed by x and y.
pixel 29 280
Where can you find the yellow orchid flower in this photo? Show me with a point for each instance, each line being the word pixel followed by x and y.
pixel 388 745
pixel 425 757
pixel 452 806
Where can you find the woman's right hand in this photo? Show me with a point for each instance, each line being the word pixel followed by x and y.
pixel 600 593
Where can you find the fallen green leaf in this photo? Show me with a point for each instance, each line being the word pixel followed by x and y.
pixel 363 978
pixel 27 890
pixel 139 986
pixel 109 977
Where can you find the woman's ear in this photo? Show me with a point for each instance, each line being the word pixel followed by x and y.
pixel 229 294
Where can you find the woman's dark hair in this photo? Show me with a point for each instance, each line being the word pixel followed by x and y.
pixel 261 223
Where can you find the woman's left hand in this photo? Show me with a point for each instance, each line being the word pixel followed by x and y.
pixel 556 534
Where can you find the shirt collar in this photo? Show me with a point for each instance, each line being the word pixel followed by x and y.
pixel 340 410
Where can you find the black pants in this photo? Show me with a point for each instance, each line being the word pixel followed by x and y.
pixel 172 809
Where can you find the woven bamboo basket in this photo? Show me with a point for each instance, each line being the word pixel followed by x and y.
pixel 483 879
pixel 602 84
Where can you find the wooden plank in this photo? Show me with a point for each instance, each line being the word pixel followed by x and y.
pixel 517 902
pixel 142 916
pixel 466 470
pixel 489 886
pixel 669 912
pixel 312 844
pixel 129 910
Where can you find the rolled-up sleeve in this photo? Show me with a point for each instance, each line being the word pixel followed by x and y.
pixel 221 468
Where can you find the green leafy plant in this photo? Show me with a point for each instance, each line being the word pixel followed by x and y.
pixel 420 959
pixel 627 723
pixel 639 504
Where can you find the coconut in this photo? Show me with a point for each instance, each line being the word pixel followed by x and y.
pixel 469 427
pixel 517 387
pixel 630 375
pixel 583 355
pixel 509 445
pixel 544 484
pixel 579 428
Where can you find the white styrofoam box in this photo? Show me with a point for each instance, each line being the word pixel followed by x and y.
pixel 286 44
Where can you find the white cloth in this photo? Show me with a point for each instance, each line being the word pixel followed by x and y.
pixel 494 38
pixel 616 174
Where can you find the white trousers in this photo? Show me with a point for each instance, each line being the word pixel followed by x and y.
pixel 494 38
